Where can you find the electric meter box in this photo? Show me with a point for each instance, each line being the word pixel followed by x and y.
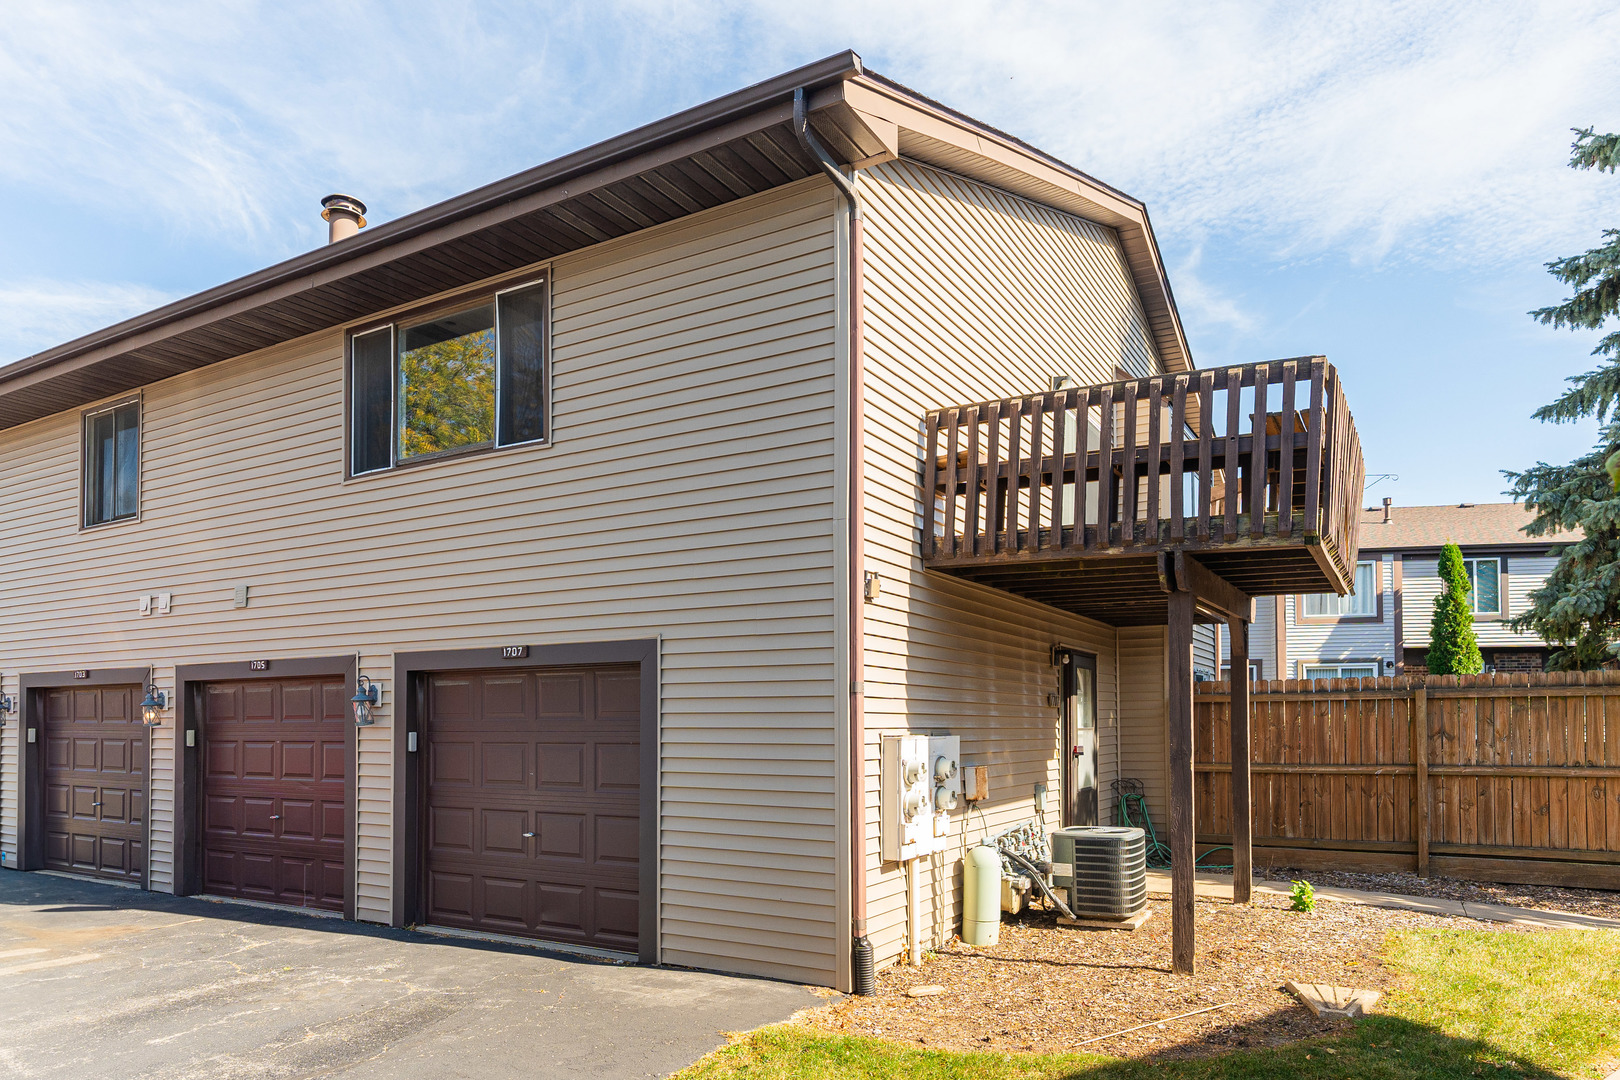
pixel 945 780
pixel 921 785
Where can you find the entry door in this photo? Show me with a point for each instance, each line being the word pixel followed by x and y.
pixel 274 763
pixel 533 821
pixel 1080 727
pixel 95 781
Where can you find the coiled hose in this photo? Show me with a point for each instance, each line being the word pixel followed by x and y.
pixel 1131 811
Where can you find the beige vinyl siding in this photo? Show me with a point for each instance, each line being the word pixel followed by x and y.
pixel 972 294
pixel 1421 586
pixel 688 496
pixel 1142 709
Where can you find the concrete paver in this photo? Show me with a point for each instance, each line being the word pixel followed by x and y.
pixel 99 981
pixel 1219 886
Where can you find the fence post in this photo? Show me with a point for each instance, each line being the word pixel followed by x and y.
pixel 1420 758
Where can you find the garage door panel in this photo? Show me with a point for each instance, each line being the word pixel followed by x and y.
pixel 334 758
pixel 274 790
pixel 561 696
pixel 562 836
pixel 560 771
pixel 618 767
pixel 504 698
pixel 334 822
pixel 84 802
pixel 115 755
pixel 618 696
pixel 505 903
pixel 58 753
pixel 115 805
pixel 85 755
pixel 221 757
pixel 258 760
pixel 298 760
pixel 58 848
pixel 504 764
pixel 58 800
pixel 451 763
pixel 618 840
pixel 258 704
pixel 451 828
pixel 501 832
pixel 618 914
pixel 560 765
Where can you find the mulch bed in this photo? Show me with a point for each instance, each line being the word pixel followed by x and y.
pixel 1046 988
pixel 1599 902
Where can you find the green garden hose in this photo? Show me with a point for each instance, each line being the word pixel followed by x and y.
pixel 1131 811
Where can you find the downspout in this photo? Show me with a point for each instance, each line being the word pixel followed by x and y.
pixel 861 961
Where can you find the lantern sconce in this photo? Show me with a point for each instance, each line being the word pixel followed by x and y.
pixel 152 708
pixel 367 696
pixel 8 705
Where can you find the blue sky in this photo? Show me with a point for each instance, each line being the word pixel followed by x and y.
pixel 1377 182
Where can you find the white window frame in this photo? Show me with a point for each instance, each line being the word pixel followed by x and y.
pixel 1364 669
pixel 1346 605
pixel 1471 565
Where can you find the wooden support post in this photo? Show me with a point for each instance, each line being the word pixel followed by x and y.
pixel 1420 782
pixel 1242 809
pixel 1179 715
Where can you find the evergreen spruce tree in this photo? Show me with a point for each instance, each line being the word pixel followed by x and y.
pixel 1453 648
pixel 1578 608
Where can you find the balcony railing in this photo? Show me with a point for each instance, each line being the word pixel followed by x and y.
pixel 1248 467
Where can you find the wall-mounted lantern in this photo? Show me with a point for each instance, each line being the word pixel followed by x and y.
pixel 154 704
pixel 367 696
pixel 8 705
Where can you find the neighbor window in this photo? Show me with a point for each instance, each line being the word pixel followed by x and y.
pixel 1340 671
pixel 1363 602
pixel 461 381
pixel 1484 585
pixel 112 463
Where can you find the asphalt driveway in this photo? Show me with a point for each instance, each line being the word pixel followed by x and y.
pixel 101 981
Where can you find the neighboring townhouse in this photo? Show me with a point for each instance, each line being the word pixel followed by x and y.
pixel 562 560
pixel 1383 627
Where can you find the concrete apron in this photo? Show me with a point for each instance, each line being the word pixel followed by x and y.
pixel 98 982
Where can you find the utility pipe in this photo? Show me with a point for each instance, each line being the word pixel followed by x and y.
pixel 861 965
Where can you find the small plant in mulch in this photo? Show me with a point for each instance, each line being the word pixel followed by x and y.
pixel 1303 897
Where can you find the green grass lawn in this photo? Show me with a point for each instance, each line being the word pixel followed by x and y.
pixel 1477 1003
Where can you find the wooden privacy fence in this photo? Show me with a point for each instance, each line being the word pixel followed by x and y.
pixel 1511 778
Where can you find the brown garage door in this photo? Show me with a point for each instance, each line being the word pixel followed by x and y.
pixel 273 764
pixel 95 781
pixel 533 803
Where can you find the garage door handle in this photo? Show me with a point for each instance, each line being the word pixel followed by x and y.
pixel 275 817
pixel 529 835
pixel 95 804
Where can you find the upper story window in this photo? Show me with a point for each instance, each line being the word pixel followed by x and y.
pixel 1484 585
pixel 465 380
pixel 1362 603
pixel 112 463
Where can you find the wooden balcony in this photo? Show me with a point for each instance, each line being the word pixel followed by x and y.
pixel 1071 497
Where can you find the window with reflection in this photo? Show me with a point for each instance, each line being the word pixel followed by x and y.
pixel 456 382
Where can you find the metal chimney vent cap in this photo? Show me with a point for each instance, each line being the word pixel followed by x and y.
pixel 342 203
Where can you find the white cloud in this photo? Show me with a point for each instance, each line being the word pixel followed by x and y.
pixel 1427 131
pixel 39 314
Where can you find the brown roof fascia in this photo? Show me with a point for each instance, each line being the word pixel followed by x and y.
pixel 464 213
pixel 868 120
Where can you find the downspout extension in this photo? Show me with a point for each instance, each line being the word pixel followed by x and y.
pixel 862 969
